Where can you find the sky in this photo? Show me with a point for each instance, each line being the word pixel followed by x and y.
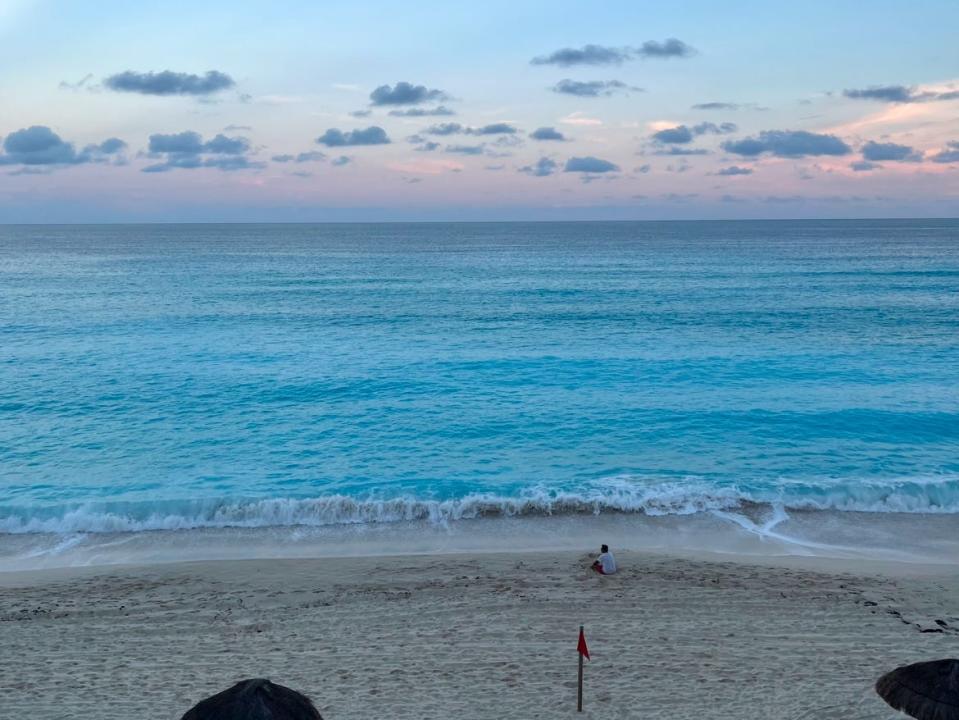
pixel 292 111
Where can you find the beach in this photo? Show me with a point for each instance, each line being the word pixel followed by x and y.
pixel 475 635
pixel 341 344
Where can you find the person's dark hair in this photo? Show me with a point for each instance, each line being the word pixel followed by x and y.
pixel 604 548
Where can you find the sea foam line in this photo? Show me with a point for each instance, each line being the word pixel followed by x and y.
pixel 935 494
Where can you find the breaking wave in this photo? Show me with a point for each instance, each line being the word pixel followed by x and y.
pixel 933 494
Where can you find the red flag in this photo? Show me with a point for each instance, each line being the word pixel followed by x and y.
pixel 581 645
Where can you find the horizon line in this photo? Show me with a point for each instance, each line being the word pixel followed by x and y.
pixel 477 222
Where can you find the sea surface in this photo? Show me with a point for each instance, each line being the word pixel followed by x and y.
pixel 187 377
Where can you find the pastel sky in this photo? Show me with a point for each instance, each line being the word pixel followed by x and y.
pixel 311 111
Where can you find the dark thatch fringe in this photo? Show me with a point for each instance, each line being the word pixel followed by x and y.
pixel 255 699
pixel 926 690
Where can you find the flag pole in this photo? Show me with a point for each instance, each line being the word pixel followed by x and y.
pixel 579 687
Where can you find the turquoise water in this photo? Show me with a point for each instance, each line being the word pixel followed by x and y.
pixel 166 377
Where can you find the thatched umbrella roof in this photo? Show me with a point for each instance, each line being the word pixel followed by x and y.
pixel 255 699
pixel 926 690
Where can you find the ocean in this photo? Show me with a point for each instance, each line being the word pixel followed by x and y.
pixel 162 380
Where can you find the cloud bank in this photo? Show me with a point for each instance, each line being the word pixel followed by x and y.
pixel 604 55
pixel 404 93
pixel 303 157
pixel 38 145
pixel 188 151
pixel 169 83
pixel 683 134
pixel 492 129
pixel 372 135
pixel 589 164
pixel 444 129
pixel 465 149
pixel 949 155
pixel 541 168
pixel 715 106
pixel 898 94
pixel 787 144
pixel 422 112
pixel 547 133
pixel 670 48
pixel 679 135
pixel 452 128
pixel 591 88
pixel 878 152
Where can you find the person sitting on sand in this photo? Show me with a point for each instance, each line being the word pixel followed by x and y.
pixel 605 564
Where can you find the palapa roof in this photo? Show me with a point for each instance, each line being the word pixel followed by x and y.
pixel 255 699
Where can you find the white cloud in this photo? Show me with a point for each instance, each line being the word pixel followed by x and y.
pixel 426 167
pixel 580 118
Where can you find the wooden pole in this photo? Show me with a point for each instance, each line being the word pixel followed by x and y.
pixel 579 686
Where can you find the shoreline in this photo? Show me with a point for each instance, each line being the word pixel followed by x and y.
pixel 412 636
pixel 858 567
pixel 841 536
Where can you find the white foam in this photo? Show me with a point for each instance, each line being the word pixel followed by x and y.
pixel 623 494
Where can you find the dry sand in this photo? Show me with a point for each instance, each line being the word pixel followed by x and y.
pixel 472 636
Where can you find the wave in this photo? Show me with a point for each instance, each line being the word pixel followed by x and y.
pixel 933 494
